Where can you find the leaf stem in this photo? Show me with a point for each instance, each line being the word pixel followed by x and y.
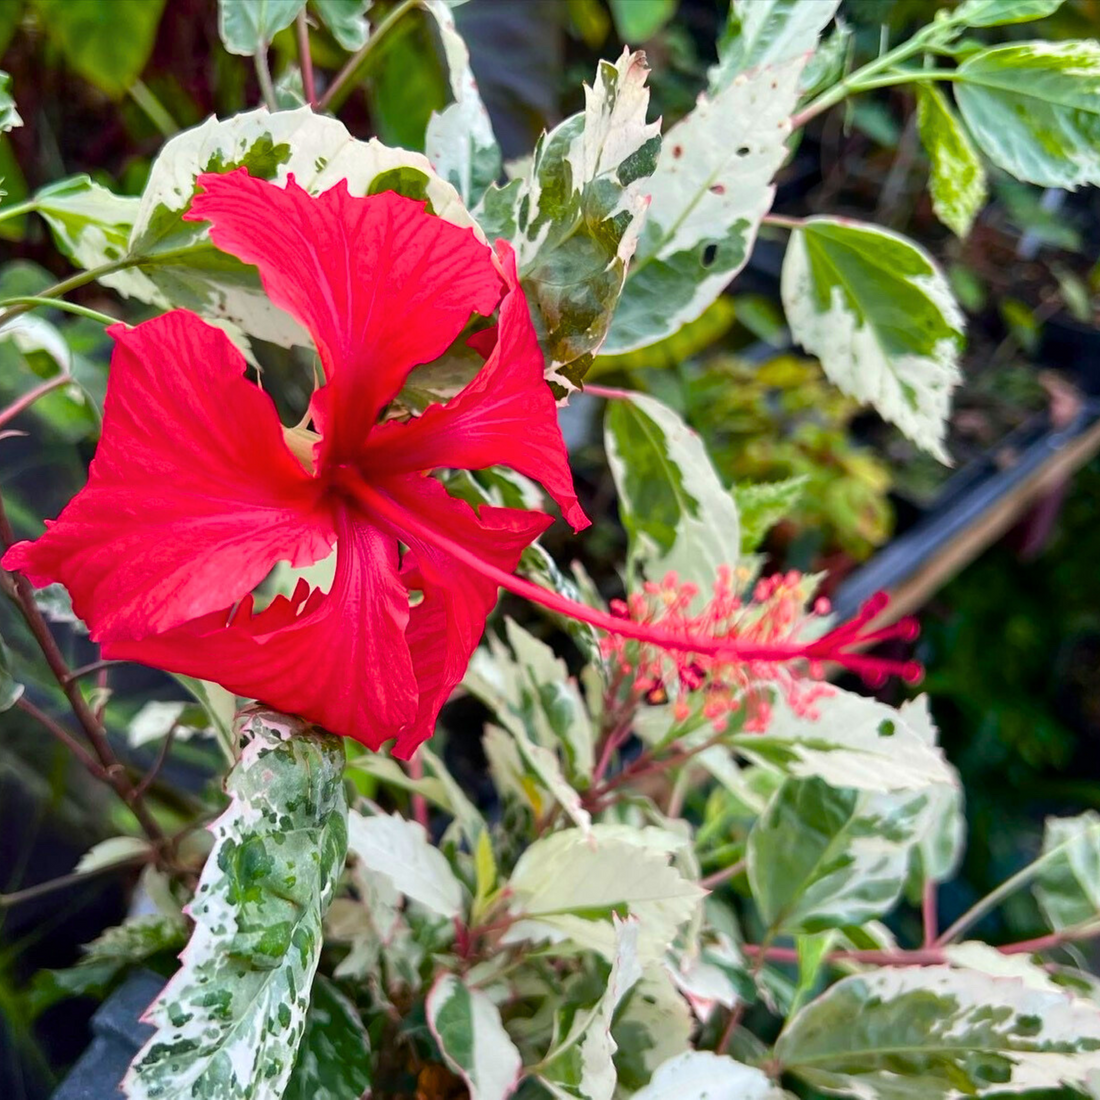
pixel 305 59
pixel 345 80
pixel 783 222
pixel 157 113
pixel 54 303
pixel 929 911
pixel 42 889
pixel 18 210
pixel 263 74
pixel 719 878
pixel 21 404
pixel 82 278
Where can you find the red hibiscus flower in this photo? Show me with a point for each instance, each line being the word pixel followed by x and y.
pixel 196 489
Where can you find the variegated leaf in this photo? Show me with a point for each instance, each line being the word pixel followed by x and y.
pixel 168 262
pixel 712 186
pixel 939 1033
pixel 9 116
pixel 229 1023
pixel 677 514
pixel 248 26
pixel 701 1075
pixel 467 1026
pixel 334 1058
pixel 879 314
pixel 574 215
pixel 1068 886
pixel 459 140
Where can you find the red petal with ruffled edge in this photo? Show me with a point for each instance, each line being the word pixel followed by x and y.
pixel 381 285
pixel 341 660
pixel 447 624
pixel 192 495
pixel 506 416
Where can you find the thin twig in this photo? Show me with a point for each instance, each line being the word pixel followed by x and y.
pixel 21 404
pixel 20 589
pixel 57 730
pixel 59 303
pixel 93 666
pixel 42 889
pixel 723 876
pixel 305 59
pixel 150 776
pixel 929 912
pixel 263 74
pixel 344 81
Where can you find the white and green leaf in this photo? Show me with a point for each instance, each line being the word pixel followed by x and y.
pixel 400 850
pixel 467 1026
pixel 939 1032
pixel 346 21
pixel 334 1057
pixel 1068 884
pixel 228 1024
pixel 762 504
pixel 1034 109
pixel 567 886
pixel 9 116
pixel 768 32
pixel 878 312
pixel 459 141
pixel 574 215
pixel 994 13
pixel 703 1075
pixel 957 182
pixel 677 514
pixel 712 187
pixel 247 26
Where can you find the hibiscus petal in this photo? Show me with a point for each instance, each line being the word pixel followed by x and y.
pixel 340 660
pixel 506 416
pixel 192 496
pixel 381 285
pixel 447 624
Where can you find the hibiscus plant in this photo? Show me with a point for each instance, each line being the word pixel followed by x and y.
pixel 678 881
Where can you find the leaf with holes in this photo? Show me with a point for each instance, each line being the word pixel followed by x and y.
pixel 334 1056
pixel 1034 109
pixel 575 214
pixel 768 32
pixel 459 141
pixel 958 178
pixel 879 314
pixel 466 1025
pixel 677 514
pixel 936 1032
pixel 247 26
pixel 854 742
pixel 179 267
pixel 712 186
pixel 228 1024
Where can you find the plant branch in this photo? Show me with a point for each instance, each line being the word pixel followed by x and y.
pixel 928 912
pixel 21 404
pixel 721 877
pixel 346 79
pixel 57 730
pixel 55 303
pixel 92 666
pixel 155 111
pixel 263 74
pixel 82 278
pixel 783 222
pixel 42 889
pixel 19 588
pixel 305 59
pixel 18 209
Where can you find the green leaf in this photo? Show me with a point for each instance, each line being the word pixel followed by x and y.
pixel 712 186
pixel 346 21
pixel 1034 109
pixel 401 851
pixel 853 742
pixel 958 178
pixel 466 1025
pixel 934 1032
pixel 768 32
pixel 172 263
pixel 567 887
pixel 10 689
pixel 229 1022
pixel 116 849
pixel 761 505
pixel 702 1075
pixel 574 215
pixel 676 512
pixel 639 20
pixel 879 314
pixel 654 1024
pixel 107 44
pixel 248 26
pixel 995 13
pixel 1068 886
pixel 9 116
pixel 821 857
pixel 459 140
pixel 334 1057
pixel 581 1066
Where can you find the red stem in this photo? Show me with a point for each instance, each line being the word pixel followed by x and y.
pixel 31 396
pixel 929 913
pixel 305 61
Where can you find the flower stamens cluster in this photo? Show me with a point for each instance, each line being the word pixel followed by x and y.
pixel 748 648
